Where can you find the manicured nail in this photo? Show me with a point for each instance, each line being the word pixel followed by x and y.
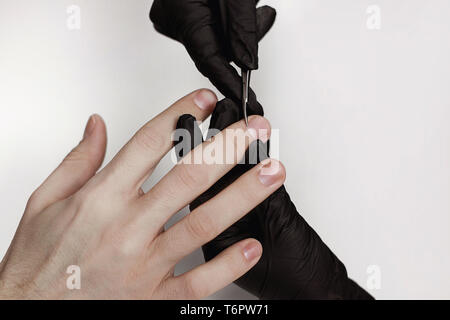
pixel 259 128
pixel 205 100
pixel 270 172
pixel 252 251
pixel 90 126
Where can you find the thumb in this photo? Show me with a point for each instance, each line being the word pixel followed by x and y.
pixel 79 166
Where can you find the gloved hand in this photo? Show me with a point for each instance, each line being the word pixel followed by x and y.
pixel 199 25
pixel 296 263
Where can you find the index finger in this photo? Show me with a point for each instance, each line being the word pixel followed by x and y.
pixel 138 158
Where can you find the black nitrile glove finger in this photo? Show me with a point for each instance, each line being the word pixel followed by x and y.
pixel 197 25
pixel 189 137
pixel 242 32
pixel 296 264
pixel 265 19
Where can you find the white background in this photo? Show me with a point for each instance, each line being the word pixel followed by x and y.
pixel 363 116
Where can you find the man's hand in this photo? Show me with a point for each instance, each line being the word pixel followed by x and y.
pixel 105 224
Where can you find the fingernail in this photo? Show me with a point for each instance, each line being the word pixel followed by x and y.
pixel 259 128
pixel 90 126
pixel 252 251
pixel 205 100
pixel 270 172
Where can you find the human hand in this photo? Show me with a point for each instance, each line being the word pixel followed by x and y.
pixel 105 224
pixel 296 263
pixel 197 24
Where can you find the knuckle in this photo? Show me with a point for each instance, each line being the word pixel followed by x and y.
pixel 193 288
pixel 149 138
pixel 88 199
pixel 200 226
pixel 122 243
pixel 124 247
pixel 191 176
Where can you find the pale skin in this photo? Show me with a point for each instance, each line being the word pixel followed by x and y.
pixel 104 223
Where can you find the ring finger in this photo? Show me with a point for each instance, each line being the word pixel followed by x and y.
pixel 213 217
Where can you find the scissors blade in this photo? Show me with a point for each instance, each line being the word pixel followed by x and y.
pixel 246 74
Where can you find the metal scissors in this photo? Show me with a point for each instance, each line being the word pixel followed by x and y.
pixel 246 74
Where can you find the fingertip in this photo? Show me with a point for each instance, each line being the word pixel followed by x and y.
pixel 266 17
pixel 95 137
pixel 267 11
pixel 89 128
pixel 271 173
pixel 94 123
pixel 100 126
pixel 259 127
pixel 252 250
pixel 98 118
pixel 205 99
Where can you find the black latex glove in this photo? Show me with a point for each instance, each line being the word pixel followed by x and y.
pixel 295 264
pixel 198 25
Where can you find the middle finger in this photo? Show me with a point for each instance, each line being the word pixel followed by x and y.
pixel 216 215
pixel 188 180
